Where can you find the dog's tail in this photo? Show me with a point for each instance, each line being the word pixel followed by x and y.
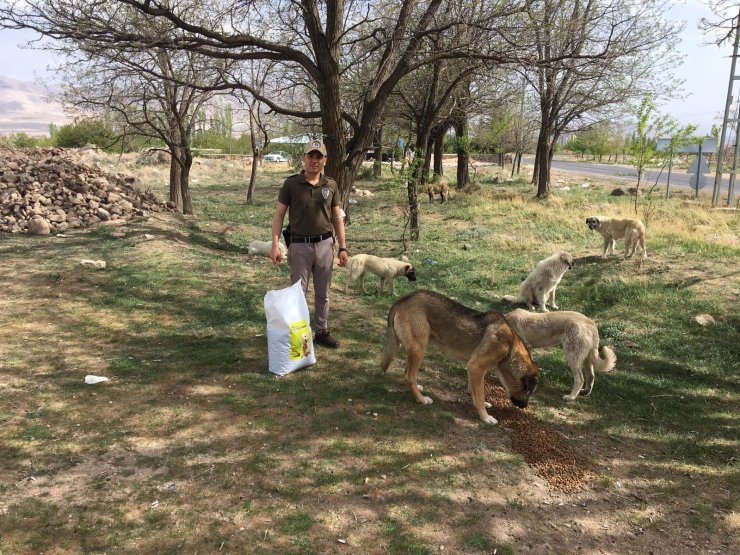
pixel 391 342
pixel 514 299
pixel 605 364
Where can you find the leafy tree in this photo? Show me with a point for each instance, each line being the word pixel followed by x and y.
pixel 651 127
pixel 596 140
pixel 578 144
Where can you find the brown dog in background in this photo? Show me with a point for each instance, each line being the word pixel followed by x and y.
pixel 480 340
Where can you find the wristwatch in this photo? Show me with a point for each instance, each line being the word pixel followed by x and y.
pixel 343 249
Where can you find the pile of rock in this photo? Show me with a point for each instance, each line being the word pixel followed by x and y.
pixel 45 190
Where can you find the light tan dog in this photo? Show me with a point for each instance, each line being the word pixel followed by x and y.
pixel 480 340
pixel 539 286
pixel 385 268
pixel 362 192
pixel 578 336
pixel 612 229
pixel 442 189
pixel 264 248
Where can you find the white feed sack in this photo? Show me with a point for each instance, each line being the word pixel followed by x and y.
pixel 289 337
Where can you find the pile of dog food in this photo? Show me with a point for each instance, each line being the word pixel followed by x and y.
pixel 47 190
pixel 543 448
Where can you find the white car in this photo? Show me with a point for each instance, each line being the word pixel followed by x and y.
pixel 277 156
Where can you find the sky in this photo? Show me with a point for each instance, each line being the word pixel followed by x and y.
pixel 706 72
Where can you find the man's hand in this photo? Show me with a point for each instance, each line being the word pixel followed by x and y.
pixel 343 258
pixel 275 255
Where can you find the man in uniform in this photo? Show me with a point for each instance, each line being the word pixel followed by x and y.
pixel 312 201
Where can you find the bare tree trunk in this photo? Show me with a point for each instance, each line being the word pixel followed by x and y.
pixel 516 164
pixel 378 162
pixel 253 174
pixel 347 178
pixel 439 140
pixel 418 176
pixel 175 173
pixel 393 154
pixel 463 154
pixel 544 160
pixel 186 157
pixel 255 153
pixel 415 178
pixel 427 164
pixel 332 125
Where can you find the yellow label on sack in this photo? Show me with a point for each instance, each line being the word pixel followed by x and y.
pixel 300 340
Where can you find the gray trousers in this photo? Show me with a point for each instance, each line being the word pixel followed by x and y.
pixel 315 259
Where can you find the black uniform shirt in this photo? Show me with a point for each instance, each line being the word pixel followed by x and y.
pixel 309 206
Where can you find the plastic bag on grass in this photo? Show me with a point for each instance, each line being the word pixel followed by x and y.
pixel 289 337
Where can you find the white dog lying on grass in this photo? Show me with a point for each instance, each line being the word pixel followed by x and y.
pixel 264 248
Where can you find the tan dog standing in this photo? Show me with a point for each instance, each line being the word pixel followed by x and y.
pixel 480 340
pixel 385 268
pixel 538 288
pixel 612 229
pixel 578 336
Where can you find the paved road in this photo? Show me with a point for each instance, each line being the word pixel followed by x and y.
pixel 628 174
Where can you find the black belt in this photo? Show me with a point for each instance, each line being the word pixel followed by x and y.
pixel 311 238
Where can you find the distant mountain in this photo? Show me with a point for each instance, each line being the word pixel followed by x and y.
pixel 24 107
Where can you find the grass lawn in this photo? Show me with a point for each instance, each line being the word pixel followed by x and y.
pixel 193 447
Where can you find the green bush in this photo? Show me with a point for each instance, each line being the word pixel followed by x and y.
pixel 23 140
pixel 85 132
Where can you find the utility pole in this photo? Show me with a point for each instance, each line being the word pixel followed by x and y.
pixel 723 133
